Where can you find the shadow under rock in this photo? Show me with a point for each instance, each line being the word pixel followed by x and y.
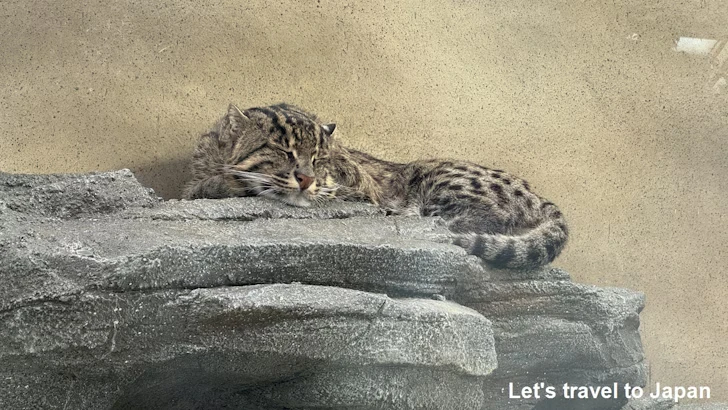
pixel 166 177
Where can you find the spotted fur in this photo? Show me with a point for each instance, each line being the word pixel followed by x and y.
pixel 285 153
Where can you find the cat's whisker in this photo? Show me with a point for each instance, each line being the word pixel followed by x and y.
pixel 267 192
pixel 255 176
pixel 249 175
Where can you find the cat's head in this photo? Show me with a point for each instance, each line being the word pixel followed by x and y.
pixel 282 161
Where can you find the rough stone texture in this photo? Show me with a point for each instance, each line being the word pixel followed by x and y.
pixel 290 346
pixel 255 208
pixel 649 404
pixel 67 196
pixel 559 332
pixel 142 304
pixel 373 254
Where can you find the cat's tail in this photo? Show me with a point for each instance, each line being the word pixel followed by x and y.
pixel 537 247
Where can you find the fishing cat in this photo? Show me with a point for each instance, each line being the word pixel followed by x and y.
pixel 288 154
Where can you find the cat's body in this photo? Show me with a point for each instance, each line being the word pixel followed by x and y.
pixel 287 154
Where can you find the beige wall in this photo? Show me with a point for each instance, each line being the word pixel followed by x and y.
pixel 588 102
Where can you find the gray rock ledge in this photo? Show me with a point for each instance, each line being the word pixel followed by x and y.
pixel 116 299
pixel 243 338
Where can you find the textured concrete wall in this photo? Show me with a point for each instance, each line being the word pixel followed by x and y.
pixel 588 102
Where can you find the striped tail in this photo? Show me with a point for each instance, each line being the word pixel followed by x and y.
pixel 537 247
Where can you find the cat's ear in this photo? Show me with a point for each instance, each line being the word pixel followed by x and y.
pixel 243 133
pixel 328 129
pixel 236 117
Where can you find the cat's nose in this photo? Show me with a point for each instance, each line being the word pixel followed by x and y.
pixel 304 181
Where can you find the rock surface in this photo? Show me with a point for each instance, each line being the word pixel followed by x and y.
pixel 118 300
pixel 262 345
pixel 67 196
pixel 556 332
pixel 649 404
pixel 666 404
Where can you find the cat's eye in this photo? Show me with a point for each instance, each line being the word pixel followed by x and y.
pixel 291 157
